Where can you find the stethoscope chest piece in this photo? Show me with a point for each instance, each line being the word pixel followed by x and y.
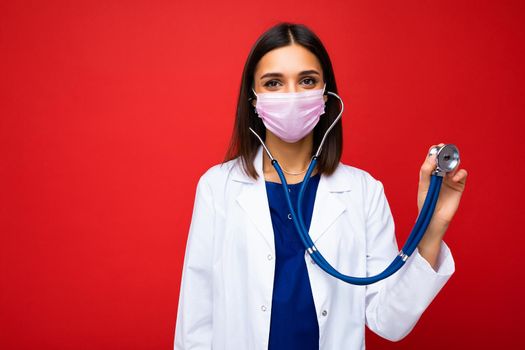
pixel 447 158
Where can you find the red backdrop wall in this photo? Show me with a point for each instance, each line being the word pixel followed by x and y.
pixel 111 110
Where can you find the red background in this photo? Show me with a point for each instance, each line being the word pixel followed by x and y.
pixel 110 111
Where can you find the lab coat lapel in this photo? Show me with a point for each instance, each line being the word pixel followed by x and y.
pixel 254 200
pixel 327 206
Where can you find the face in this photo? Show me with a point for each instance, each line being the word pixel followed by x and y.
pixel 288 69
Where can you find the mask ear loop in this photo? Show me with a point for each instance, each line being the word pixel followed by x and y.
pixel 253 98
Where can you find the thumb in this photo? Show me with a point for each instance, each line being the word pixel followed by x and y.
pixel 428 166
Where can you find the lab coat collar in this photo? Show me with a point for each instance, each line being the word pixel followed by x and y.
pixel 334 183
pixel 327 206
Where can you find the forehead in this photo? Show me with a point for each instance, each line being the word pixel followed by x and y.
pixel 288 60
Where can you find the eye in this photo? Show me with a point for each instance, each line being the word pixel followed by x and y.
pixel 312 81
pixel 269 83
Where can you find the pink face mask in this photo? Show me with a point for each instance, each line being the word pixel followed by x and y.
pixel 290 115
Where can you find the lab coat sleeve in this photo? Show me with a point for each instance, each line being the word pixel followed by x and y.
pixel 193 329
pixel 395 304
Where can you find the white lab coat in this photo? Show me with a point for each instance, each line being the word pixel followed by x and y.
pixel 227 278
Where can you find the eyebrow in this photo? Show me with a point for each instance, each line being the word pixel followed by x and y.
pixel 279 75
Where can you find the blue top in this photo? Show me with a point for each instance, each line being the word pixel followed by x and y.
pixel 293 316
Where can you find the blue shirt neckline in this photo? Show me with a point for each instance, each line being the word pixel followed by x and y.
pixel 313 177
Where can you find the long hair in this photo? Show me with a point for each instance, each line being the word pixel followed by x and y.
pixel 243 143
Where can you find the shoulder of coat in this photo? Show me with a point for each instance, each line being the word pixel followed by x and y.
pixel 358 174
pixel 218 173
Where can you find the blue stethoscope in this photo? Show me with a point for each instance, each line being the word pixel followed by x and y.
pixel 447 159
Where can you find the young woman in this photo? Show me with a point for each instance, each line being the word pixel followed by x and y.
pixel 247 281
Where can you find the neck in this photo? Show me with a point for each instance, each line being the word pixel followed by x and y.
pixel 292 157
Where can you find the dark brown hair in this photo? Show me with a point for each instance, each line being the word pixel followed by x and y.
pixel 244 143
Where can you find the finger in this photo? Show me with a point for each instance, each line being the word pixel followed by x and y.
pixel 439 145
pixel 427 168
pixel 434 146
pixel 432 159
pixel 460 176
pixel 453 173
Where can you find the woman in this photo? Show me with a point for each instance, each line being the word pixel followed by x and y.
pixel 247 281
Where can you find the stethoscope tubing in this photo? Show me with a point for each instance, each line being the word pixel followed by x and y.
pixel 413 240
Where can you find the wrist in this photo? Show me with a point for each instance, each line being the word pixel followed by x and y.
pixel 434 235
